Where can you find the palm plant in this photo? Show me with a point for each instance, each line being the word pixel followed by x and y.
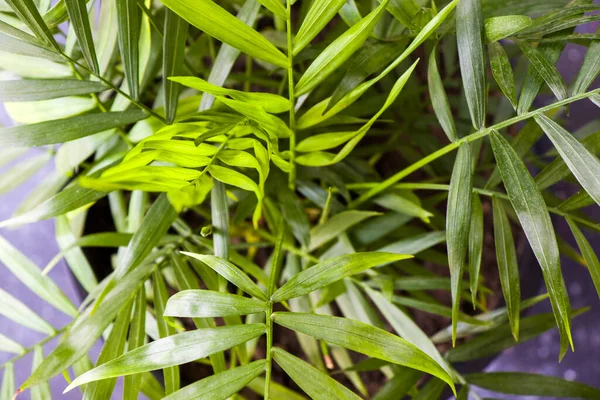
pixel 255 156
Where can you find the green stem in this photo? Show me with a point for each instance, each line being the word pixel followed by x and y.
pixel 467 139
pixel 269 367
pixel 292 97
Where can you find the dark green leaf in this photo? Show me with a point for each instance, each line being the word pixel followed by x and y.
pixel 416 243
pixel 469 35
pixel 522 383
pixel 506 256
pixel 129 24
pixel 206 303
pixel 14 45
pixel 502 71
pixel 339 223
pixel 226 28
pixel 222 385
pixel 27 12
pixel 498 28
pixel 80 21
pixel 530 207
pixel 589 70
pixel 64 130
pixel 175 35
pixel 137 338
pixel 294 214
pixel 173 350
pixel 315 383
pixel 587 251
pixel 458 222
pixel 431 391
pixel 476 233
pixel 44 89
pixel 330 271
pixel 545 69
pixel 439 99
pixel 363 338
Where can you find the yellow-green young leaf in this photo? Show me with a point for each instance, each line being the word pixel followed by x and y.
pixel 222 385
pixel 27 12
pixel 272 103
pixel 587 251
pixel 530 207
pixel 31 276
pixel 315 383
pixel 498 28
pixel 362 338
pixel 318 16
pixel 330 271
pixel 175 35
pixel 439 99
pixel 137 338
pixel 469 36
pixel 404 204
pixel 458 222
pixel 273 125
pixel 227 28
pixel 589 70
pixel 338 52
pixel 526 384
pixel 404 11
pixel 70 198
pixel 319 159
pixel 190 195
pixel 582 163
pixel 206 303
pixel 476 233
pixel 500 337
pixel 324 141
pixel 545 69
pixel 80 21
pixel 7 389
pixel 129 22
pixel 171 351
pixel 64 130
pixel 508 267
pixel 18 312
pixel 276 7
pixel 318 114
pixel 230 272
pixel 45 89
pixel 336 225
pixel 502 71
pixel 88 326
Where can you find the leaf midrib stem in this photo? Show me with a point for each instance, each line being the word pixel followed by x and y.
pixel 291 96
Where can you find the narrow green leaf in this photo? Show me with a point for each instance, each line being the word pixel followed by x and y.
pixel 589 70
pixel 129 22
pixel 44 89
pixel 545 69
pixel 88 327
pixel 227 28
pixel 18 312
pixel 80 20
pixel 469 36
pixel 272 103
pixel 27 12
pixel 21 172
pixel 151 388
pixel 433 307
pixel 363 338
pixel 318 16
pixel 404 11
pixel 230 272
pixel 582 163
pixel 458 222
pixel 439 99
pixel 137 338
pixel 431 391
pixel 315 383
pixel 222 385
pixel 577 201
pixel 402 382
pixel 31 276
pixel 416 243
pixel 476 233
pixel 14 45
pixel 69 199
pixel 173 350
pixel 294 214
pixel 10 346
pixel 339 223
pixel 587 251
pixel 508 267
pixel 7 389
pixel 526 384
pixel 41 391
pixel 338 52
pixel 175 35
pixel 206 303
pixel 276 7
pixel 531 210
pixel 330 271
pixel 498 28
pixel 502 71
pixel 64 130
pixel 75 258
pixel 113 347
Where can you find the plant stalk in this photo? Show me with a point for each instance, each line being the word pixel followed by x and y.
pixel 292 97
